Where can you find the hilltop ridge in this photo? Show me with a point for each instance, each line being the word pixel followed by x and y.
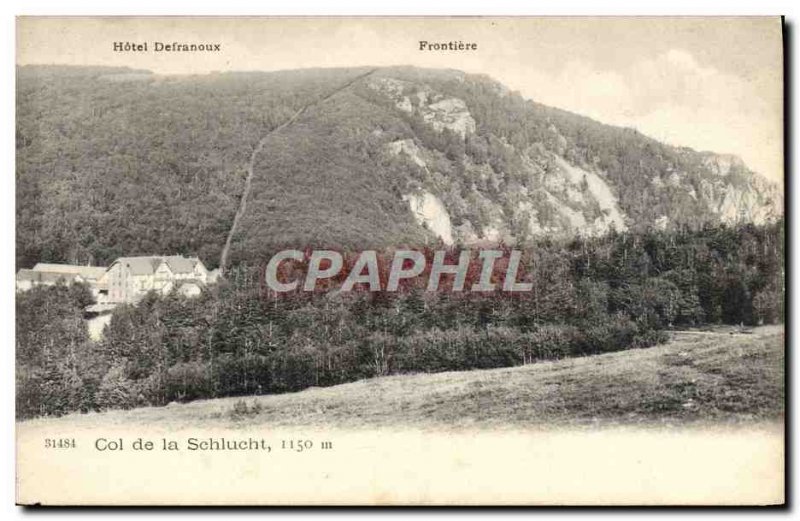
pixel 117 162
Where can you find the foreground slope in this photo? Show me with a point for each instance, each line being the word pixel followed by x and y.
pixel 720 376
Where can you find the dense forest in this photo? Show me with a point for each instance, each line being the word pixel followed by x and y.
pixel 114 162
pixel 590 295
pixel 623 237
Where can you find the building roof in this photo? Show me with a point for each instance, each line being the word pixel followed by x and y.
pixel 86 272
pixel 147 265
pixel 140 265
pixel 46 276
pixel 180 264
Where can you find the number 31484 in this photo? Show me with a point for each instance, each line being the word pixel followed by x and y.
pixel 59 443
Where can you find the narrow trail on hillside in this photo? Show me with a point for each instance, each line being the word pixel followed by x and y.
pixel 223 262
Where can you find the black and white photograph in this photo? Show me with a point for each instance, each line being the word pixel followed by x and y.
pixel 400 260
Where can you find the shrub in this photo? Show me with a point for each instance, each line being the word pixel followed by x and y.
pixel 29 393
pixel 186 381
pixel 241 410
pixel 116 391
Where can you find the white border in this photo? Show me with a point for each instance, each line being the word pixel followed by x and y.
pixel 788 8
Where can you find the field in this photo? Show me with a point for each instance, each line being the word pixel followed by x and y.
pixel 719 376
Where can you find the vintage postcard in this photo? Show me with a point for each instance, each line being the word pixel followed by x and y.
pixel 400 261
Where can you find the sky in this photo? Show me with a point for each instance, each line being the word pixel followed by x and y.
pixel 707 83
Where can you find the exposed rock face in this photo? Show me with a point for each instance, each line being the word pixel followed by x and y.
pixel 594 189
pixel 449 113
pixel 721 164
pixel 570 200
pixel 427 209
pixel 757 201
pixel 731 192
pixel 431 213
pixel 549 193
pixel 437 110
pixel 410 149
